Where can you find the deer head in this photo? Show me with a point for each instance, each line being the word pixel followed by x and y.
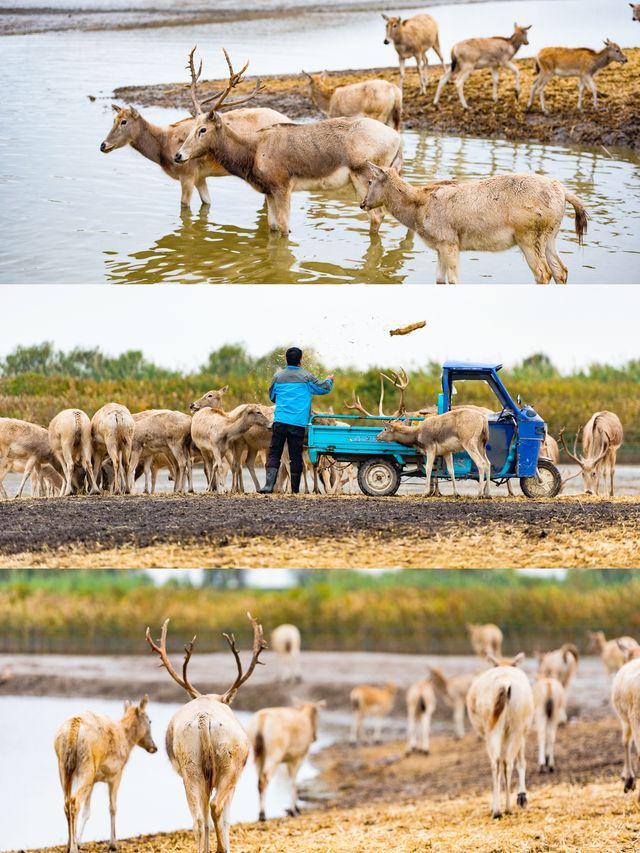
pixel 125 128
pixel 589 466
pixel 210 400
pixel 392 26
pixel 614 52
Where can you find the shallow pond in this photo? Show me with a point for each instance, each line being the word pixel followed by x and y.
pixel 151 797
pixel 71 214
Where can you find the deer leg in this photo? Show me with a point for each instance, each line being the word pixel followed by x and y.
pixel 113 803
pixel 292 768
pixel 452 474
pixel 377 729
pixel 187 182
pixel 203 191
pixel 423 71
pixel 450 257
pixel 425 727
pixel 441 269
pixel 627 772
pixel 429 459
pixel 458 718
pixel 356 727
pixel 411 730
pixel 516 78
pixel 443 82
pixel 279 210
pixel 580 93
pixel 558 269
pixel 67 470
pixel 495 776
pixel 592 86
pixel 494 80
pixel 521 763
pixel 220 807
pixel 534 89
pixel 401 63
pixel 459 84
pixel 541 86
pixel 537 263
pixel 87 466
pixel 507 769
pixel 28 468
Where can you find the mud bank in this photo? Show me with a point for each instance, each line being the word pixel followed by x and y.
pixel 310 531
pixel 616 122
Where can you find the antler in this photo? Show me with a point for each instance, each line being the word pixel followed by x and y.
pixel 197 109
pixel 399 380
pixel 575 446
pixel 235 77
pixel 357 405
pixel 258 645
pixel 161 650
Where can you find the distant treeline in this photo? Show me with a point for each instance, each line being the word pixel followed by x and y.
pixel 111 615
pixel 38 381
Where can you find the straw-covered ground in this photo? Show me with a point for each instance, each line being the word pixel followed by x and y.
pixel 616 121
pixel 318 532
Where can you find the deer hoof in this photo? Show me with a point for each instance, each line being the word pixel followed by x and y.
pixel 542 768
pixel 629 784
pixel 522 799
pixel 496 815
pixel 262 817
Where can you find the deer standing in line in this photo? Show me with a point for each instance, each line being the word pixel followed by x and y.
pixel 549 700
pixel 421 704
pixel 285 642
pixel 287 158
pixel 493 53
pixel 282 736
pixel 93 748
pixel 112 430
pixel 490 215
pixel 376 99
pixel 500 707
pixel 70 440
pixel 162 432
pixel 444 435
pixel 601 439
pixel 206 744
pixel 580 62
pixel 413 37
pixel 368 701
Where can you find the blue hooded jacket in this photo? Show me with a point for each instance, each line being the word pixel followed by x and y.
pixel 292 390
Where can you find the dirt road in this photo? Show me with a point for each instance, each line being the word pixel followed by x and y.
pixel 311 531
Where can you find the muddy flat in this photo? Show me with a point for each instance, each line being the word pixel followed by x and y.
pixel 298 531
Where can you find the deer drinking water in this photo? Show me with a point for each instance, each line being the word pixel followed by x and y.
pixel 413 37
pixel 601 438
pixel 206 744
pixel 287 158
pixel 377 99
pixel 580 62
pixel 493 53
pixel 444 435
pixel 490 215
pixel 93 748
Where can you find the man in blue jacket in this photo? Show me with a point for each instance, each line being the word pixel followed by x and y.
pixel 291 390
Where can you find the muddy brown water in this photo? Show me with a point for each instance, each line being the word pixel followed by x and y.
pixel 31 525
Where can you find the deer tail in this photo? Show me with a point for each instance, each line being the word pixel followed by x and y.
pixel 207 760
pixel 581 216
pixel 70 760
pixel 548 708
pixel 502 698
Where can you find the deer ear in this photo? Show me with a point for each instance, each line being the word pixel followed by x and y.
pixel 127 704
pixel 386 17
pixel 518 659
pixel 115 108
pixel 529 27
pixel 492 660
pixel 375 169
pixel 143 702
pixel 134 112
pixel 322 703
pixel 224 389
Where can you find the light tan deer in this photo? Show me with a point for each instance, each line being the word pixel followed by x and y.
pixel 112 430
pixel 500 707
pixel 93 748
pixel 624 698
pixel 160 144
pixel 580 62
pixel 561 664
pixel 453 690
pixel 206 744
pixel 377 99
pixel 490 215
pixel 166 433
pixel 368 701
pixel 285 642
pixel 286 158
pixel 601 438
pixel 610 653
pixel 70 440
pixel 492 53
pixel 549 700
pixel 211 400
pixel 635 11
pixel 485 639
pixel 421 704
pixel 549 449
pixel 444 435
pixel 24 447
pixel 282 736
pixel 413 37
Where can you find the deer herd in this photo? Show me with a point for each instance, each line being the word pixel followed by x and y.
pixel 358 144
pixel 110 451
pixel 208 747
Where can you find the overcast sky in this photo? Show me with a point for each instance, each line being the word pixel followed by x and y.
pixel 177 327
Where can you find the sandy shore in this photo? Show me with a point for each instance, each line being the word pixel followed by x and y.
pixel 616 122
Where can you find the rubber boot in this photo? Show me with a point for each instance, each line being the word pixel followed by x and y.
pixel 269 486
pixel 295 483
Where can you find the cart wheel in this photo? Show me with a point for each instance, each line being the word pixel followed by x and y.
pixel 546 483
pixel 378 478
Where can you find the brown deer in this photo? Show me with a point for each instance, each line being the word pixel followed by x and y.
pixel 282 736
pixel 453 690
pixel 413 37
pixel 490 215
pixel 206 744
pixel 635 11
pixel 93 748
pixel 367 701
pixel 580 62
pixel 377 99
pixel 444 435
pixel 493 53
pixel 601 439
pixel 286 158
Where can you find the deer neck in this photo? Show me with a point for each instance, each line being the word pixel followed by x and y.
pixel 403 200
pixel 237 155
pixel 600 61
pixel 407 435
pixel 516 43
pixel 236 427
pixel 151 142
pixel 321 95
pixel 128 727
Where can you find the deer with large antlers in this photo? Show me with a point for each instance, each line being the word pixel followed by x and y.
pixel 601 438
pixel 287 158
pixel 205 743
pixel 160 144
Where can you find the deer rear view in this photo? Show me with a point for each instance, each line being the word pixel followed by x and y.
pixel 376 702
pixel 206 744
pixel 93 748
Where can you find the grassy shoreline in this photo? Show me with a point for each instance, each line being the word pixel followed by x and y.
pixel 616 123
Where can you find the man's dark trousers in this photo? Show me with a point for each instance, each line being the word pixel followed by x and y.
pixel 293 436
